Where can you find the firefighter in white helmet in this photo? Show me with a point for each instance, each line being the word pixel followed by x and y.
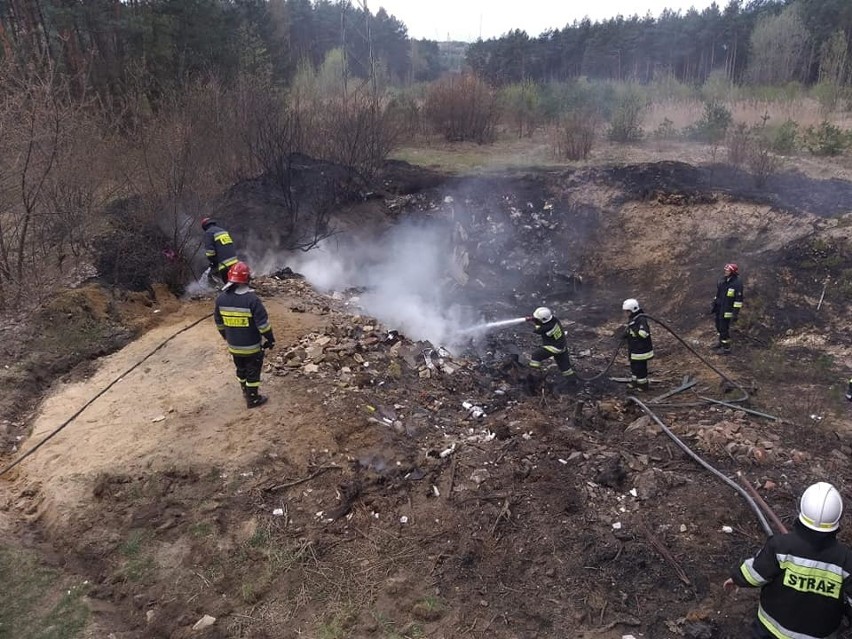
pixel 640 350
pixel 553 342
pixel 805 576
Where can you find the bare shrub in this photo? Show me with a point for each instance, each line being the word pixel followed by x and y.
pixel 463 108
pixel 356 131
pixel 51 138
pixel 749 147
pixel 740 142
pixel 575 135
pixel 763 162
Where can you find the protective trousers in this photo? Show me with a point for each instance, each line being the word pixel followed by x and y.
pixel 639 371
pixel 248 372
pixel 723 327
pixel 562 359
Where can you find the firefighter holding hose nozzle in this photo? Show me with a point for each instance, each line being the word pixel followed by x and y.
pixel 553 342
pixel 804 576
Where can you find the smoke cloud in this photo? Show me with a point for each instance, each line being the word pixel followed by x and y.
pixel 408 276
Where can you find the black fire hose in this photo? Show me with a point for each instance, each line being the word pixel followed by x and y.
pixel 605 370
pixel 760 516
pixel 59 428
pixel 704 401
pixel 709 365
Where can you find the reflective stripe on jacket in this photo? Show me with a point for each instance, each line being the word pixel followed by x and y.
pixel 729 297
pixel 241 317
pixel 219 247
pixel 806 581
pixel 552 336
pixel 639 338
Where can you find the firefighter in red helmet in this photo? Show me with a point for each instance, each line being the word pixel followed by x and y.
pixel 243 322
pixel 727 305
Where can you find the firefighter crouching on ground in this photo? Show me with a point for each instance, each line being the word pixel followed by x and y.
pixel 242 321
pixel 219 249
pixel 804 576
pixel 553 341
pixel 639 347
pixel 727 305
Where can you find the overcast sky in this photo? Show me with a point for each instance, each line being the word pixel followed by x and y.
pixel 461 19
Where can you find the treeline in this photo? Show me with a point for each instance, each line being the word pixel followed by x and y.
pixel 116 46
pixel 760 42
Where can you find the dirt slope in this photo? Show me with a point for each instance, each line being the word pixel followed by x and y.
pixel 182 405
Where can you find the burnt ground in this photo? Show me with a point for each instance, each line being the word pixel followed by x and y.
pixel 337 511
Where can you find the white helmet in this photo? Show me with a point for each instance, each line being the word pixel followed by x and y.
pixel 543 314
pixel 631 305
pixel 821 507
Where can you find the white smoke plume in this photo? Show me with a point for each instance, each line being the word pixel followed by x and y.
pixel 407 276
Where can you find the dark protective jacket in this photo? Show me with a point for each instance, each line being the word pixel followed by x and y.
pixel 219 247
pixel 552 336
pixel 639 337
pixel 241 319
pixel 806 583
pixel 729 297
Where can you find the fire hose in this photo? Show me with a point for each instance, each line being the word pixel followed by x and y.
pixel 683 342
pixel 751 502
pixel 751 497
pixel 103 391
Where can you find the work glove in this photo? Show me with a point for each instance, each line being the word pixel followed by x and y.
pixel 269 344
pixel 530 318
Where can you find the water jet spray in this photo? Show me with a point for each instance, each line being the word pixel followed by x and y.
pixel 488 326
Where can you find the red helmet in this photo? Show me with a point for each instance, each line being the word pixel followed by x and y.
pixel 239 273
pixel 206 221
pixel 732 267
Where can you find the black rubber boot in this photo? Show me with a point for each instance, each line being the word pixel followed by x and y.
pixel 254 398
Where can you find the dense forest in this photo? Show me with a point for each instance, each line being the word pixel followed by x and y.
pixel 112 43
pixel 109 44
pixel 759 42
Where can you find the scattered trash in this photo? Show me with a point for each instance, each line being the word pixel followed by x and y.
pixel 278 512
pixel 616 525
pixel 562 461
pixel 475 411
pixel 634 492
pixel 683 528
pixel 158 418
pixel 403 520
pixel 447 452
pixel 205 622
pixel 727 530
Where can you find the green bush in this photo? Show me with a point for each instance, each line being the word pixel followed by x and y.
pixel 785 140
pixel 826 139
pixel 522 104
pixel 714 123
pixel 627 119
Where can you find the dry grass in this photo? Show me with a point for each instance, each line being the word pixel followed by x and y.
pixel 805 111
